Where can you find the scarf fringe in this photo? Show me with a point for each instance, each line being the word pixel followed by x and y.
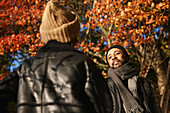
pixel 135 110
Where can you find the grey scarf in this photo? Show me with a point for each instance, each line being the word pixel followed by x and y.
pixel 129 96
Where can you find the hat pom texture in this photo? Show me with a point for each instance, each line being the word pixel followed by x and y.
pixel 59 24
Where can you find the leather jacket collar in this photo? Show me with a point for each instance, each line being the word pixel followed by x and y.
pixel 54 45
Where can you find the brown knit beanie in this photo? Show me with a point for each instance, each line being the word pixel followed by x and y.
pixel 59 24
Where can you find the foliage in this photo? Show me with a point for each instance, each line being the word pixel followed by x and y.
pixel 139 25
pixel 136 25
pixel 19 31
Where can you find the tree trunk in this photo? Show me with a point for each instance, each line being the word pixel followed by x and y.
pixel 160 69
pixel 150 55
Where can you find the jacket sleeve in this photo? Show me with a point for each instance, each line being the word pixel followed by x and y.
pixel 97 89
pixel 8 92
pixel 154 102
pixel 149 95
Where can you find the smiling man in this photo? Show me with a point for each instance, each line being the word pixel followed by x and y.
pixel 116 56
pixel 130 93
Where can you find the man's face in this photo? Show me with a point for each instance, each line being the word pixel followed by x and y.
pixel 115 58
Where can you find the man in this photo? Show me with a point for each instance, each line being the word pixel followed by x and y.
pixel 59 79
pixel 130 93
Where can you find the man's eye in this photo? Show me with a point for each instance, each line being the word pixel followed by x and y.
pixel 117 53
pixel 109 58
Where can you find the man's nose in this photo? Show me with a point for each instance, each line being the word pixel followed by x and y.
pixel 113 57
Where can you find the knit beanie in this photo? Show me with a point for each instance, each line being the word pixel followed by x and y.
pixel 54 15
pixel 119 47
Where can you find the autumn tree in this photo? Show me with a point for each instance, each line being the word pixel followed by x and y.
pixel 139 25
pixel 19 31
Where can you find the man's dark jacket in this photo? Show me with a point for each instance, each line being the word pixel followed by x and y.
pixel 146 94
pixel 59 79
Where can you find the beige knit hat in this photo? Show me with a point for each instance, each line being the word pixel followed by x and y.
pixel 59 24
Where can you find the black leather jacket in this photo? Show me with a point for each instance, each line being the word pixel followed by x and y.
pixel 59 79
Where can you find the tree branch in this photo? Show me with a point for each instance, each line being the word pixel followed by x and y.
pixel 166 86
pixel 150 63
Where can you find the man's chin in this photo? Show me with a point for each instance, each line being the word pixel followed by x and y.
pixel 114 67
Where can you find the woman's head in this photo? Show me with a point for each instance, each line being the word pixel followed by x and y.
pixel 59 24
